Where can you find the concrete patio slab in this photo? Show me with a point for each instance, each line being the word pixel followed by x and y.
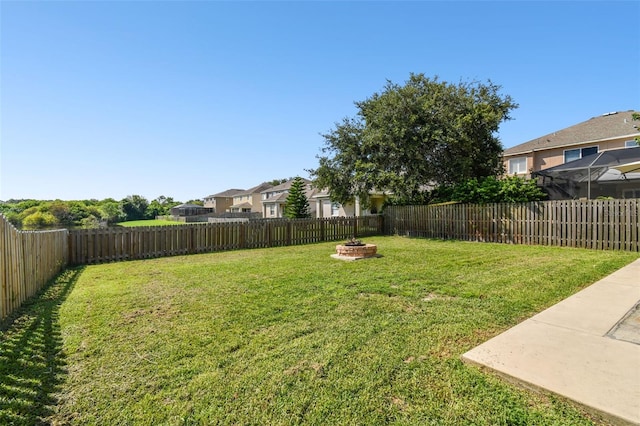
pixel 571 349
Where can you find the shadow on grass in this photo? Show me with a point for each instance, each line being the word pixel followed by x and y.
pixel 32 365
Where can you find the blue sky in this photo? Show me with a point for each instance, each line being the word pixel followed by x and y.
pixel 185 99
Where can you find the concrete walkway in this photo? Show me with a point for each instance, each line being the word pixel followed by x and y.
pixel 586 348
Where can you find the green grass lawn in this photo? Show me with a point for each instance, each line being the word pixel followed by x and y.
pixel 289 336
pixel 149 222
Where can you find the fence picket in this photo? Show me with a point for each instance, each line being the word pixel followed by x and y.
pixel 28 260
pixel 105 245
pixel 595 224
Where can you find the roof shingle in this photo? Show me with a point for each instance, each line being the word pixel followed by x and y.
pixel 607 126
pixel 227 193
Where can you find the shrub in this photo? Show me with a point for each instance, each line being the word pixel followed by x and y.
pixel 39 220
pixel 511 189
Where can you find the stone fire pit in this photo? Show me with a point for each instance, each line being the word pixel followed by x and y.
pixel 355 250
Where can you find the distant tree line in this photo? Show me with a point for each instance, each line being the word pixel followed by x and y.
pixel 39 214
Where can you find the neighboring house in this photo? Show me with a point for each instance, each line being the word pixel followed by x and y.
pixel 324 207
pixel 608 131
pixel 249 201
pixel 183 210
pixel 274 199
pixel 221 201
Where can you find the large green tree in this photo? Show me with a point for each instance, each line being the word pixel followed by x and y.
pixel 297 204
pixel 422 134
pixel 134 207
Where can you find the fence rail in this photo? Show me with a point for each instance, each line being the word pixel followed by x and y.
pixel 28 260
pixel 596 224
pixel 89 246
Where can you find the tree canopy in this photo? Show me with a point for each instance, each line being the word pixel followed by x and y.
pixel 407 138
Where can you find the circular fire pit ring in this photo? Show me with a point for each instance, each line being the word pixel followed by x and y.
pixel 355 252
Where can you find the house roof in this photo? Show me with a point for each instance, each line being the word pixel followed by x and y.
pixel 607 126
pixel 323 193
pixel 258 188
pixel 282 198
pixel 227 193
pixel 285 186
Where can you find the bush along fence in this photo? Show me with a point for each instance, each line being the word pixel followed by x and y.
pixel 595 224
pixel 28 260
pixel 89 246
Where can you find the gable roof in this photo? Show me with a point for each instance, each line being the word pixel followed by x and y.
pixel 227 193
pixel 244 205
pixel 286 185
pixel 283 190
pixel 280 198
pixel 607 126
pixel 258 188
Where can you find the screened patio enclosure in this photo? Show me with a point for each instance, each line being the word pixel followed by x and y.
pixel 614 173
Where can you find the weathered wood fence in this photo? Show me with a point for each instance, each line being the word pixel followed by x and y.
pixel 595 224
pixel 88 246
pixel 28 260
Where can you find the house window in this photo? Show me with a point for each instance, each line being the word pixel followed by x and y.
pixel 335 209
pixel 272 210
pixel 578 153
pixel 518 165
pixel 631 144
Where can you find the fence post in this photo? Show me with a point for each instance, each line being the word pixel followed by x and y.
pixel 242 237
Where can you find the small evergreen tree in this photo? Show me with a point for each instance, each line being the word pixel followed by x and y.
pixel 297 204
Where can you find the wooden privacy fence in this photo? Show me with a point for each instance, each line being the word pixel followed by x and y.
pixel 88 246
pixel 596 224
pixel 28 260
